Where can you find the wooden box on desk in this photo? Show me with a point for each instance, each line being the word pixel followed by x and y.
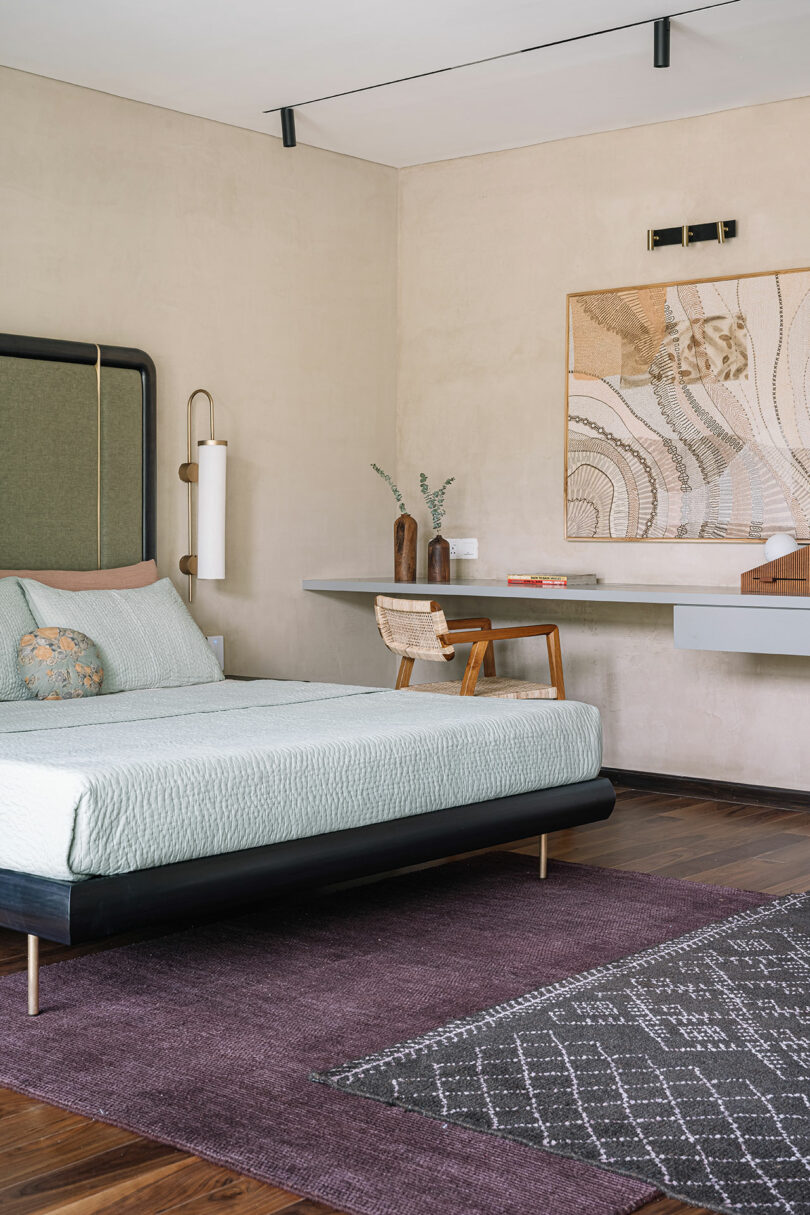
pixel 788 575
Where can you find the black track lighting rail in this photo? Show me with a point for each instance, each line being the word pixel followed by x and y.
pixel 660 59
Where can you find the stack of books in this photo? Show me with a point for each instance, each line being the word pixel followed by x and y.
pixel 541 580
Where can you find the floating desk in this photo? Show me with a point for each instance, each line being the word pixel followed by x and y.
pixel 704 617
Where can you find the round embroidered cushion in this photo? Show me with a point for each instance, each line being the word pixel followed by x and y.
pixel 60 664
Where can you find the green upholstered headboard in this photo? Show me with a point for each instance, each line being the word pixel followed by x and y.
pixel 73 494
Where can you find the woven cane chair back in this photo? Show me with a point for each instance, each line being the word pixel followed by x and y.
pixel 413 628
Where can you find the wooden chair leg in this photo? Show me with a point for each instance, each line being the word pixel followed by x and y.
pixel 33 976
pixel 555 665
pixel 489 661
pixel 404 673
pixel 543 855
pixel 477 654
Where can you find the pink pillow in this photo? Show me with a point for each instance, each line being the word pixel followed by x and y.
pixel 124 578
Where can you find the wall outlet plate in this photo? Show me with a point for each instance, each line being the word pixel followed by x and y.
pixel 463 549
pixel 217 644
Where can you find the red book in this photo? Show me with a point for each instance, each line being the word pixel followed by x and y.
pixel 550 580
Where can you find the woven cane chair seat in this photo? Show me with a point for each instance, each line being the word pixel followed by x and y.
pixel 504 689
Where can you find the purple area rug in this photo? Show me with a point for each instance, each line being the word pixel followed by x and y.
pixel 205 1039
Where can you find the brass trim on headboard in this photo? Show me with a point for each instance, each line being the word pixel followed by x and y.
pixel 14 345
pixel 98 456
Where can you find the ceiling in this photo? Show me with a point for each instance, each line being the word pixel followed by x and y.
pixel 232 59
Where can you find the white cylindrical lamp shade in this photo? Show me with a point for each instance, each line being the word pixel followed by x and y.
pixel 213 460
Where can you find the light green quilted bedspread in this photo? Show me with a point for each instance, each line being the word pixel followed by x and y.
pixel 115 783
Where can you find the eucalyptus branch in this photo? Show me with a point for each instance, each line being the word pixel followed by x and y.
pixel 435 499
pixel 402 508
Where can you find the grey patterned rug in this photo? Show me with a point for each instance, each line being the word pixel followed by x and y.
pixel 687 1065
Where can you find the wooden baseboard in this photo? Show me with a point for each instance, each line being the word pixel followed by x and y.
pixel 710 790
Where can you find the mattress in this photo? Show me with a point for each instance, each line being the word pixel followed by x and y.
pixel 111 784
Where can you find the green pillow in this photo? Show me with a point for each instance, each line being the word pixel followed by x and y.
pixel 145 637
pixel 15 619
pixel 60 664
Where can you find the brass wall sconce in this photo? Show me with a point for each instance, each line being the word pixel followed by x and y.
pixel 209 475
pixel 720 230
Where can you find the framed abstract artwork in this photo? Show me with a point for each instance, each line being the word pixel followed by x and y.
pixel 688 410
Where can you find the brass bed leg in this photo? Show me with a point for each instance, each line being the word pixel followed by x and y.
pixel 33 976
pixel 543 855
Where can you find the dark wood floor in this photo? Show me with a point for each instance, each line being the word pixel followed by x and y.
pixel 53 1161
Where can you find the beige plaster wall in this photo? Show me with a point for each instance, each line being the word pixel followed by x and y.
pixel 264 275
pixel 271 278
pixel 489 246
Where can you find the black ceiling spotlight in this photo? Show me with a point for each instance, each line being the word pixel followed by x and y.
pixel 288 127
pixel 661 43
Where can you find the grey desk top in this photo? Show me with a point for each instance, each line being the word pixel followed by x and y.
pixel 603 592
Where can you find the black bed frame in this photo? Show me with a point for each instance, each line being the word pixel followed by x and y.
pixel 74 912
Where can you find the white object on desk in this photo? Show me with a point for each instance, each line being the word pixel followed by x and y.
pixel 780 545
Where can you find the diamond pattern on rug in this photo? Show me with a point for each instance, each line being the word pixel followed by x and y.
pixel 687 1065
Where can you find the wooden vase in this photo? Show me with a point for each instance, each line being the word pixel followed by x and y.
pixel 438 560
pixel 405 532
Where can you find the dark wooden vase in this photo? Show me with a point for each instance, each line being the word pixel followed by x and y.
pixel 405 532
pixel 438 560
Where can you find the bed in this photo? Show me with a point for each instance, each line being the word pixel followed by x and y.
pixel 145 806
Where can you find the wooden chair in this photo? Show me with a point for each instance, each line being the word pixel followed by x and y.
pixel 417 628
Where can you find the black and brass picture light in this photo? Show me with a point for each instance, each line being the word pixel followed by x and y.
pixel 720 230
